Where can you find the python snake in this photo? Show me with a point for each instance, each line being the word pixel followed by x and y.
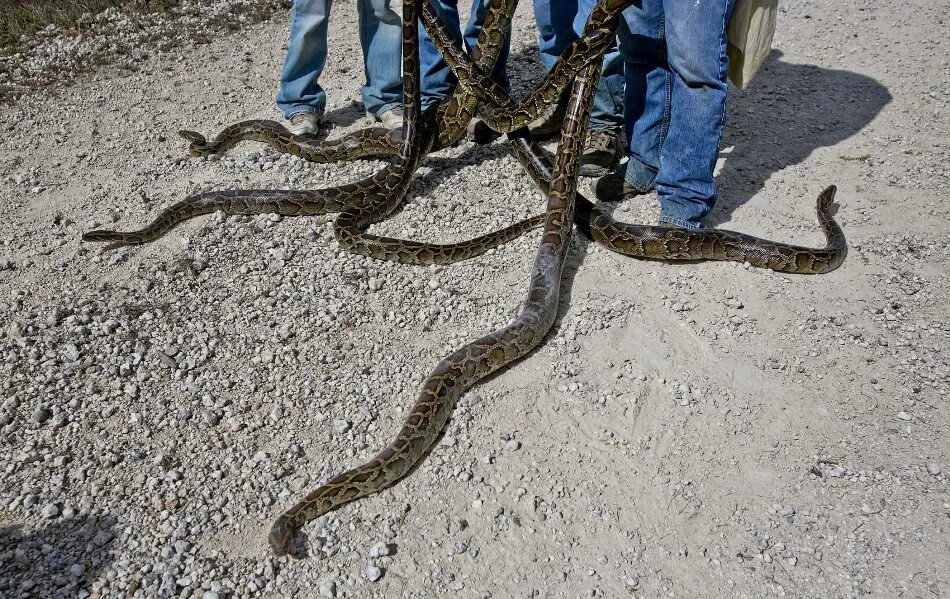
pixel 372 199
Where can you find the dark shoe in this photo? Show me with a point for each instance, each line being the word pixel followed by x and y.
pixel 545 128
pixel 600 153
pixel 614 187
pixel 480 132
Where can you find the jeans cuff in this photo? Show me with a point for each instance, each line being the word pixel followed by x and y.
pixel 678 222
pixel 387 107
pixel 639 175
pixel 303 110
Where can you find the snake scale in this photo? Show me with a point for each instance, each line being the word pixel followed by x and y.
pixel 367 201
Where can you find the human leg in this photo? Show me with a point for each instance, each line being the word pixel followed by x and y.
pixel 436 76
pixel 698 67
pixel 381 39
pixel 306 56
pixel 473 28
pixel 646 94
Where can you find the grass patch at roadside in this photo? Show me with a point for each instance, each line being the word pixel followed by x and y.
pixel 20 18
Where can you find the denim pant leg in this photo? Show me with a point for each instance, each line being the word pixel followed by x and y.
pixel 560 23
pixel 646 92
pixel 696 51
pixel 306 56
pixel 437 78
pixel 474 26
pixel 381 38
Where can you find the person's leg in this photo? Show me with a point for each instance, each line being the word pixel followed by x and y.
pixel 306 55
pixel 436 76
pixel 474 26
pixel 698 64
pixel 646 93
pixel 555 21
pixel 381 38
pixel 607 111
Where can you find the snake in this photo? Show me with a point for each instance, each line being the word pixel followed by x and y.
pixel 657 242
pixel 364 202
pixel 453 115
pixel 475 360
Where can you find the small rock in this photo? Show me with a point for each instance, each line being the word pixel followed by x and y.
pixel 40 415
pixel 373 573
pixel 341 426
pixel 327 588
pixel 513 445
pixel 77 570
pixel 50 511
pixel 380 549
pixel 933 468
pixel 902 415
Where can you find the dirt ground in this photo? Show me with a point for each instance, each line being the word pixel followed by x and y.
pixel 687 430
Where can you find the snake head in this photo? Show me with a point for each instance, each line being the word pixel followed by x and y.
pixel 198 143
pixel 827 197
pixel 281 537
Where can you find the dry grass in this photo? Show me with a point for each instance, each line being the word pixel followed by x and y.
pixel 26 17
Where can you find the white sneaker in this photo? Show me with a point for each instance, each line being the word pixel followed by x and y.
pixel 305 123
pixel 391 119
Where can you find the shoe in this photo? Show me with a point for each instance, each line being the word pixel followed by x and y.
pixel 391 119
pixel 614 187
pixel 601 153
pixel 480 132
pixel 305 123
pixel 547 127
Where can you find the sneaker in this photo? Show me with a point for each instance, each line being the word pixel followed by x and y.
pixel 305 123
pixel 481 133
pixel 600 153
pixel 391 119
pixel 614 187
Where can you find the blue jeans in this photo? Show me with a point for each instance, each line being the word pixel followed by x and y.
pixel 381 37
pixel 560 24
pixel 437 78
pixel 674 53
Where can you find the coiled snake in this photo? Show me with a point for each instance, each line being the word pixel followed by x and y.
pixel 370 200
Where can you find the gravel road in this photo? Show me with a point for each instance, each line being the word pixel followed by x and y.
pixel 698 430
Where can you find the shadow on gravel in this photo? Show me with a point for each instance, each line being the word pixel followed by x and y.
pixel 788 112
pixel 59 560
pixel 345 116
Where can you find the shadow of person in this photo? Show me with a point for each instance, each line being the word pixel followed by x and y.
pixel 58 560
pixel 788 112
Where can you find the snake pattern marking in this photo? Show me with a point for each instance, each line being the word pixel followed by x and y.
pixel 370 200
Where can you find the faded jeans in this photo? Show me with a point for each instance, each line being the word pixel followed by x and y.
pixel 380 29
pixel 674 53
pixel 437 78
pixel 560 24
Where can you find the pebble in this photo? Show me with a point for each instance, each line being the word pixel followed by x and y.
pixel 513 445
pixel 50 510
pixel 373 573
pixel 327 588
pixel 934 468
pixel 341 426
pixel 41 415
pixel 380 549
